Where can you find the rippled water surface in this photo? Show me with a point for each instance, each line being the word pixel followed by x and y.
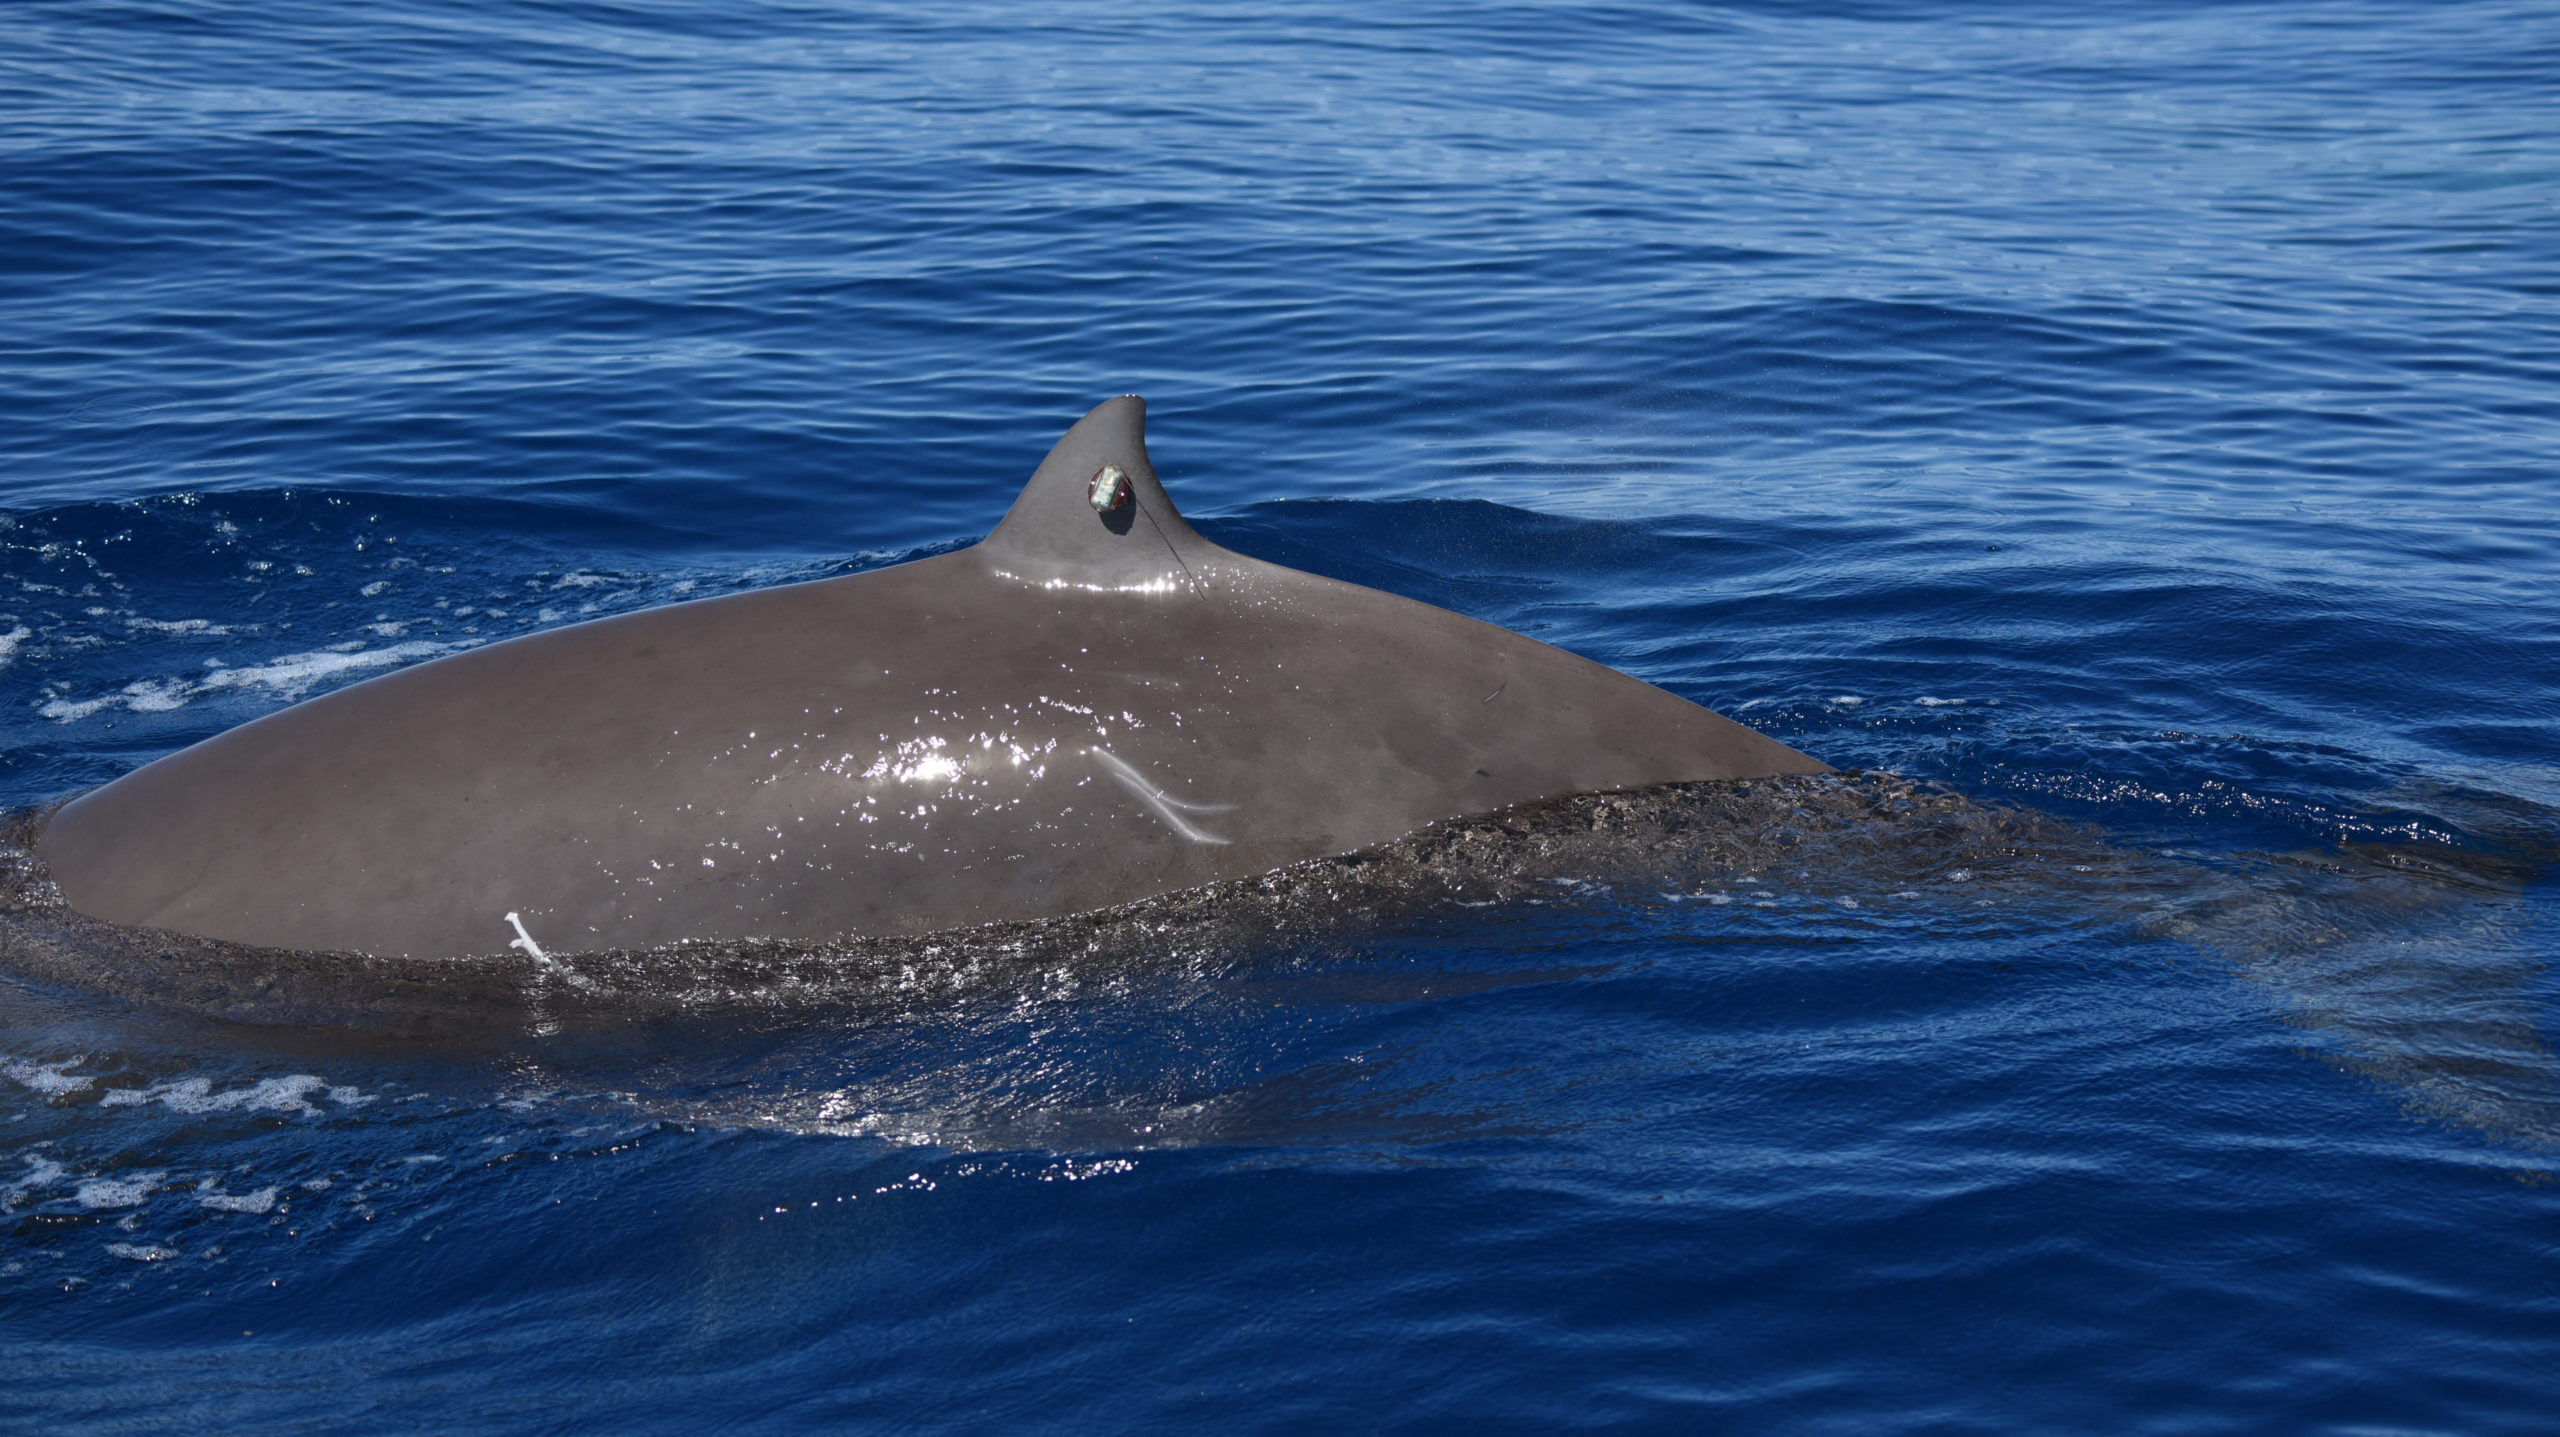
pixel 2135 428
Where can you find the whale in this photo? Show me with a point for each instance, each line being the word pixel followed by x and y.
pixel 1091 706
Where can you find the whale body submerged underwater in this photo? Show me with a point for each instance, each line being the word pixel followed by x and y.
pixel 1091 706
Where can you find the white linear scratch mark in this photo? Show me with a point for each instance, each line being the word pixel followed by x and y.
pixel 525 941
pixel 1164 805
pixel 549 964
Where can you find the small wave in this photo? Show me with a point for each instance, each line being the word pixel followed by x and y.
pixel 205 627
pixel 42 1172
pixel 50 1079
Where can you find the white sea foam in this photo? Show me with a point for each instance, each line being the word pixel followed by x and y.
pixel 46 1078
pixel 287 675
pixel 9 642
pixel 65 711
pixel 42 1172
pixel 263 1200
pixel 132 1191
pixel 289 1094
pixel 142 1251
pixel 1928 703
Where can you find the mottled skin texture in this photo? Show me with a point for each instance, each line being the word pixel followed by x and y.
pixel 1081 710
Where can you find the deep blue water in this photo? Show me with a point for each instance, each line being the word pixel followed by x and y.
pixel 2149 416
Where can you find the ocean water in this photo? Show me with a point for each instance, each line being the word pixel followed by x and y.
pixel 2137 427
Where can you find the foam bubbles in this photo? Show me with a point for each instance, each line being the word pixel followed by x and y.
pixel 192 1096
pixel 130 1191
pixel 42 1172
pixel 287 676
pixel 49 1079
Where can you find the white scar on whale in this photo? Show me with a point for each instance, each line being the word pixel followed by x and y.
pixel 1161 803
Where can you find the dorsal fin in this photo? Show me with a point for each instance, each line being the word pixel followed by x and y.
pixel 1055 534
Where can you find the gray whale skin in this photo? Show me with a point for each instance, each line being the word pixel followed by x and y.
pixel 1083 709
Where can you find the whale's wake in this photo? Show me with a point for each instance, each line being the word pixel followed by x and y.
pixel 2405 962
